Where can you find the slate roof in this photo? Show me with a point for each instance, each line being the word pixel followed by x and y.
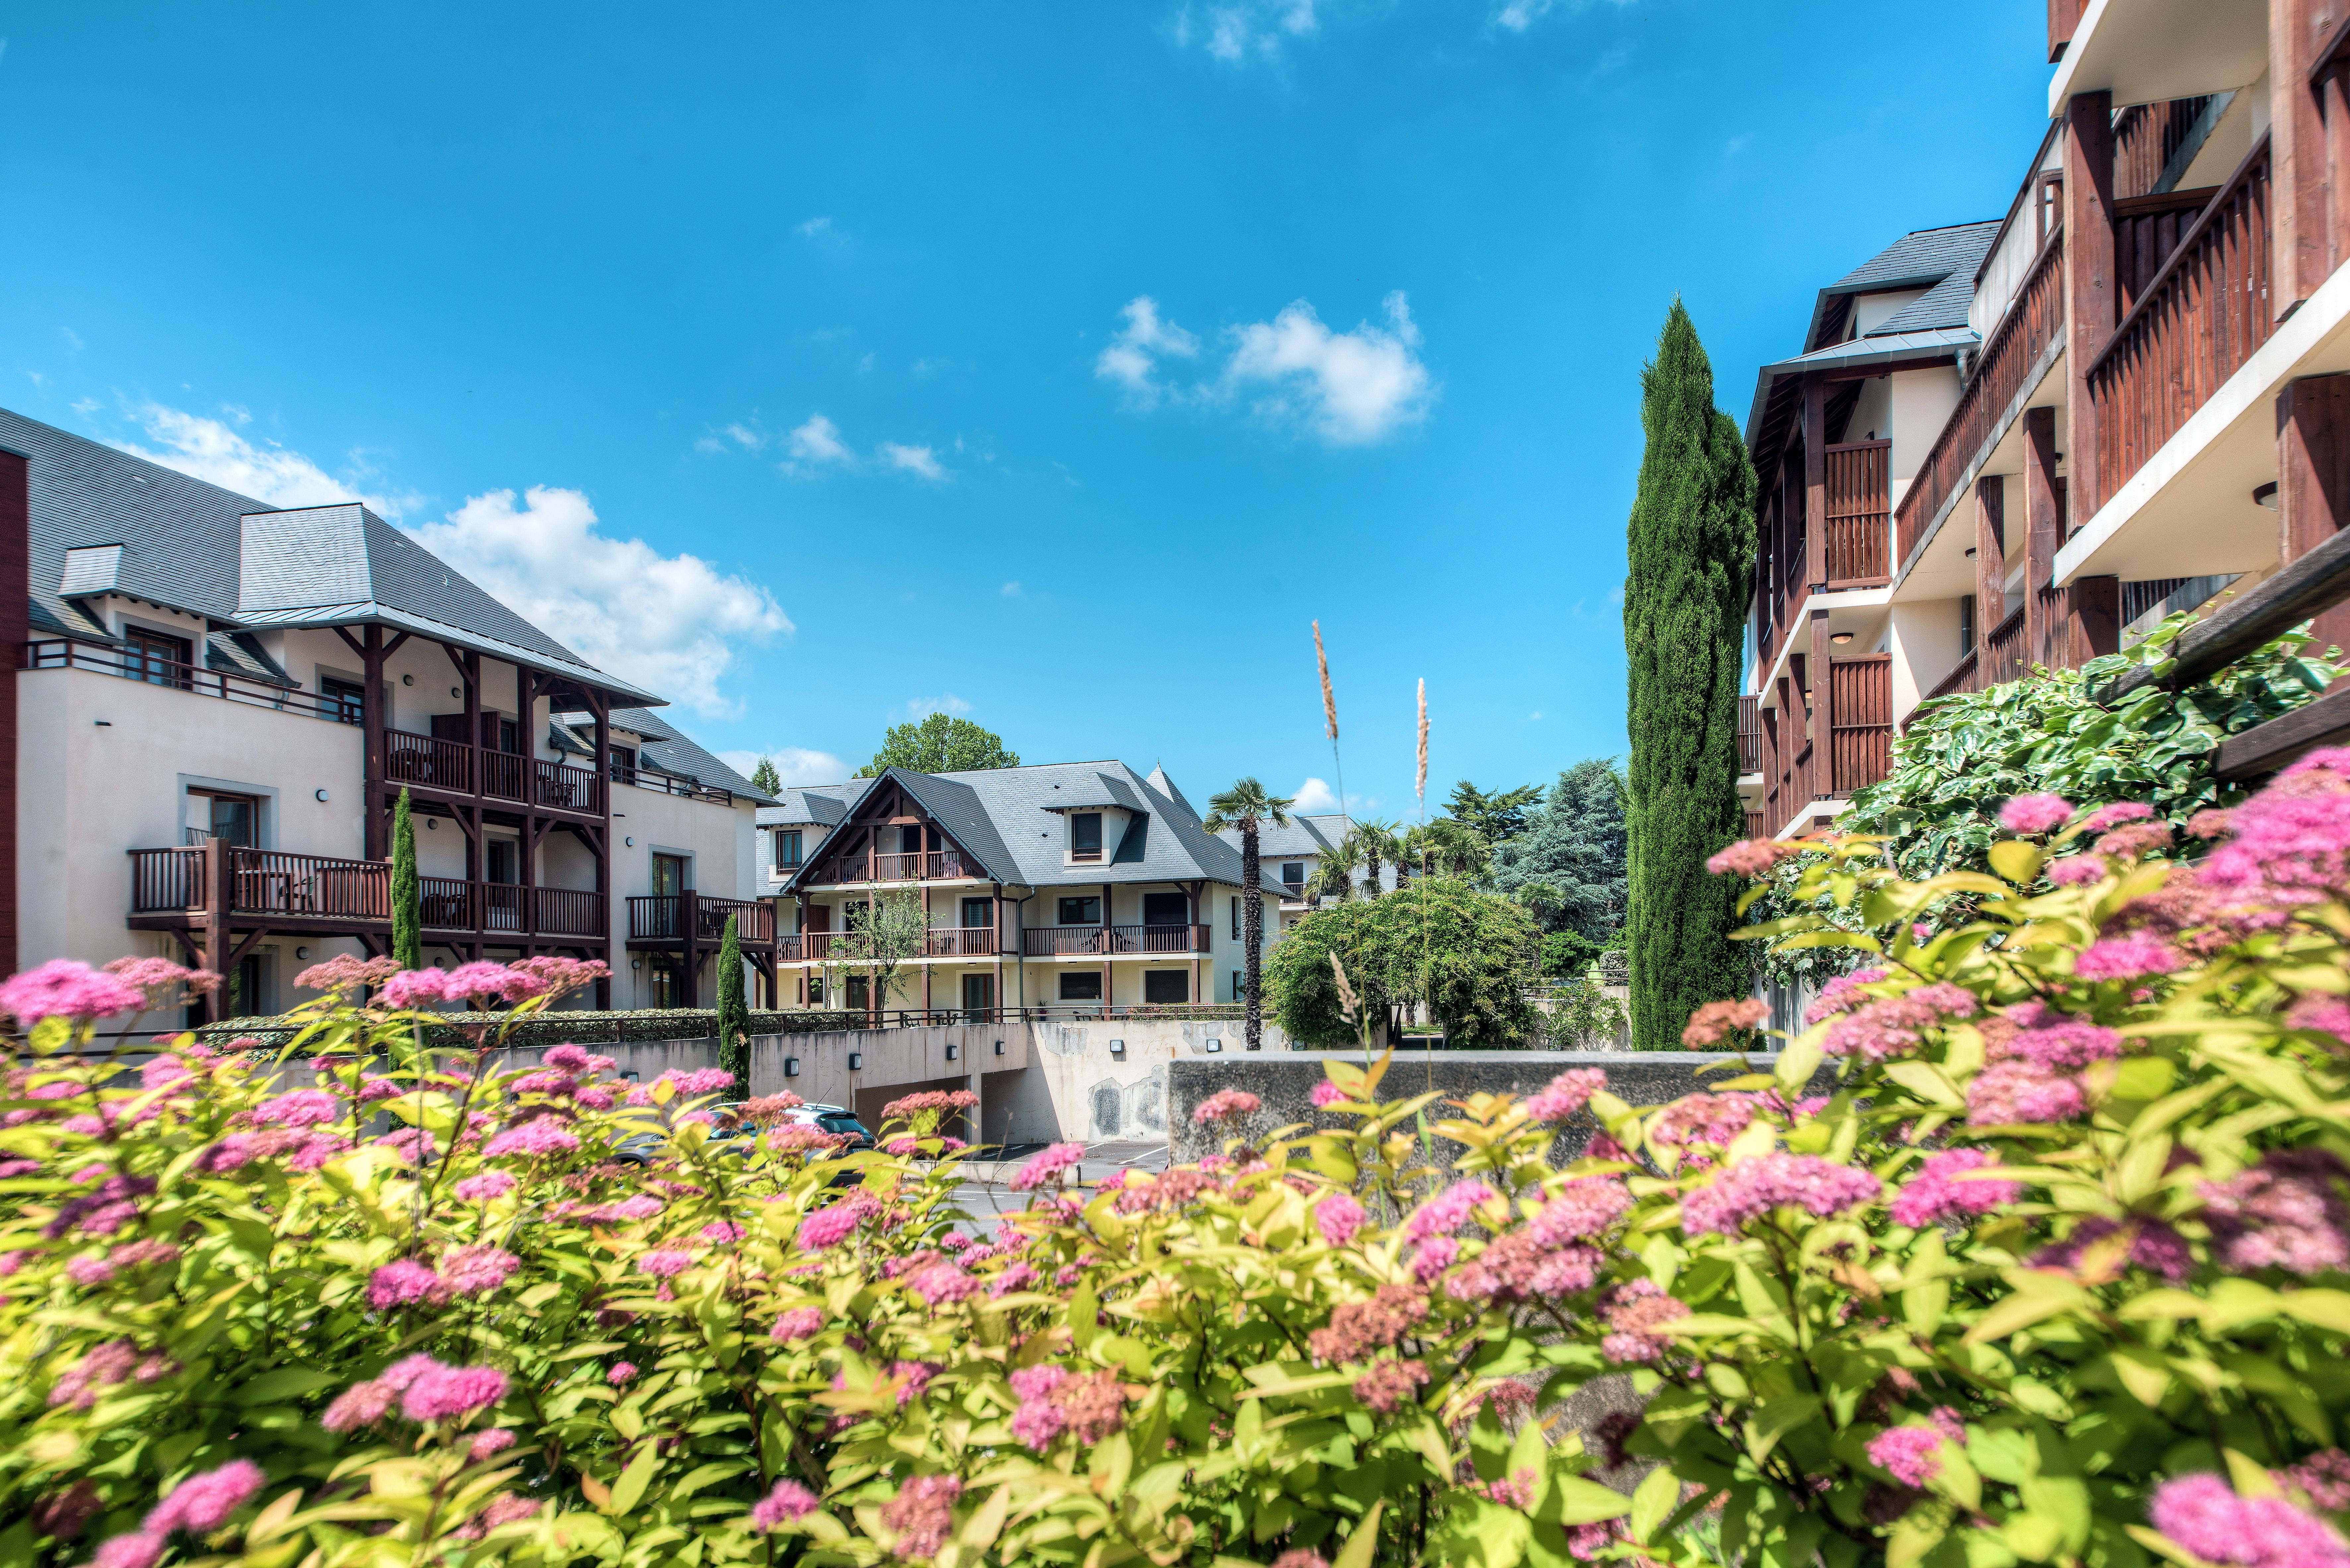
pixel 1921 257
pixel 137 528
pixel 661 749
pixel 1010 821
pixel 812 805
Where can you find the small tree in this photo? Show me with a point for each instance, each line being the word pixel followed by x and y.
pixel 764 779
pixel 1468 955
pixel 1246 806
pixel 734 1013
pixel 407 914
pixel 940 743
pixel 1496 818
pixel 884 931
pixel 1568 865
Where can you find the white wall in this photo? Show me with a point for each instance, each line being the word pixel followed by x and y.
pixel 1923 638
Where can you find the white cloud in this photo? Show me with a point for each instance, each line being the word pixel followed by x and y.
pixel 668 623
pixel 1246 30
pixel 1011 590
pixel 1314 797
pixel 814 229
pixel 1517 16
pixel 1534 717
pixel 211 450
pixel 944 703
pixel 1616 595
pixel 1130 358
pixel 919 459
pixel 1349 387
pixel 794 765
pixel 819 441
pixel 73 338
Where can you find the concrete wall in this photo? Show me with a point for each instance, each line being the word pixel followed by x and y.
pixel 1285 1082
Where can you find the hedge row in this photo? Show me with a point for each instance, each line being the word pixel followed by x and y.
pixel 634 1026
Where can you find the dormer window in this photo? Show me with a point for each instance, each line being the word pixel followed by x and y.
pixel 1085 835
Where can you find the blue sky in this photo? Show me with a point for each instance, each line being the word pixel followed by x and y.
pixel 1054 365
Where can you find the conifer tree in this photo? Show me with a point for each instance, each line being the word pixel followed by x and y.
pixel 733 1013
pixel 1690 548
pixel 407 916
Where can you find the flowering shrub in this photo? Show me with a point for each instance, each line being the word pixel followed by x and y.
pixel 2055 1275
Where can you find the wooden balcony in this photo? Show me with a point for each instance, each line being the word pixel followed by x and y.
pixel 1859 514
pixel 675 919
pixel 2194 323
pixel 2001 660
pixel 2018 353
pixel 1750 735
pixel 1112 941
pixel 670 784
pixel 1861 704
pixel 925 866
pixel 455 768
pixel 317 894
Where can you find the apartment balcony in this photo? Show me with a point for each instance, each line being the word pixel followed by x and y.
pixel 197 680
pixel 445 767
pixel 925 866
pixel 1750 735
pixel 939 942
pixel 1798 770
pixel 264 889
pixel 1858 546
pixel 699 921
pixel 1112 941
pixel 1998 662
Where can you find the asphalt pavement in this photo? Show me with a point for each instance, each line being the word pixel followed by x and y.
pixel 986 1193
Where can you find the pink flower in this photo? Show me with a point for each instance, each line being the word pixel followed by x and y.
pixel 1934 1194
pixel 1909 1454
pixel 1843 994
pixel 2031 814
pixel 2076 870
pixel 789 1500
pixel 2125 958
pixel 1637 1310
pixel 622 1372
pixel 570 1058
pixel 2286 1213
pixel 489 1184
pixel 2114 815
pixel 1446 1212
pixel 920 1515
pixel 1338 1217
pixel 2200 1513
pixel 699 1081
pixel 477 1270
pixel 1047 1165
pixel 1436 1254
pixel 374 1090
pixel 664 1265
pixel 140 1549
pixel 2067 1043
pixel 1565 1094
pixel 451 1393
pixel 67 988
pixel 302 1108
pixel 201 1503
pixel 2326 1015
pixel 1225 1104
pixel 399 1283
pixel 1390 1384
pixel 1717 1021
pixel 2007 1093
pixel 487 982
pixel 828 1227
pixel 1038 1420
pixel 1750 858
pixel 343 972
pixel 415 988
pixel 1019 1275
pixel 1752 1188
pixel 89 1271
pixel 1327 1094
pixel 488 1444
pixel 800 1322
pixel 361 1404
pixel 1895 1026
pixel 2153 1246
pixel 540 1136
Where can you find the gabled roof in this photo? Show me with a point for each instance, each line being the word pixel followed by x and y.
pixel 812 805
pixel 1919 258
pixel 1010 821
pixel 106 522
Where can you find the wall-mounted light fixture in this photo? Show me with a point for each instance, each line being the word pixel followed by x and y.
pixel 320 794
pixel 302 952
pixel 1214 1046
pixel 999 1047
pixel 1841 638
pixel 104 724
pixel 950 1053
pixel 408 681
pixel 629 842
pixel 1118 1048
pixel 791 1066
pixel 2266 495
pixel 856 1060
pixel 453 691
pixel 431 825
pixel 1971 552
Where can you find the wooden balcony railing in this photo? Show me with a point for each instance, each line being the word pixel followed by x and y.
pixel 264 883
pixel 1754 828
pixel 431 762
pixel 667 917
pixel 2009 365
pixel 447 903
pixel 960 941
pixel 1859 476
pixel 2198 319
pixel 1976 672
pixel 1861 699
pixel 1051 941
pixel 2147 233
pixel 670 784
pixel 1959 678
pixel 62 653
pixel 166 881
pixel 925 866
pixel 2146 135
pixel 1750 734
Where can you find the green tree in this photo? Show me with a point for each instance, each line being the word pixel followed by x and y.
pixel 1466 954
pixel 1568 867
pixel 1247 806
pixel 1496 818
pixel 883 933
pixel 1333 876
pixel 406 915
pixel 1377 845
pixel 764 779
pixel 1447 847
pixel 733 1011
pixel 1689 546
pixel 940 743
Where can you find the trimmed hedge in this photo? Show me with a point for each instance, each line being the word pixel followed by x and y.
pixel 635 1026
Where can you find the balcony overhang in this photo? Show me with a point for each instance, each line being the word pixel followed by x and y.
pixel 2150 51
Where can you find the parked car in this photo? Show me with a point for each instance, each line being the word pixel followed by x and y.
pixel 728 1125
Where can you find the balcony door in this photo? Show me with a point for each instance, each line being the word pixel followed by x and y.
pixel 1166 909
pixel 231 819
pixel 668 875
pixel 502 898
pixel 978 997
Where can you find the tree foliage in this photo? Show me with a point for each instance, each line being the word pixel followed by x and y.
pixel 734 1011
pixel 939 744
pixel 1497 817
pixel 1468 955
pixel 1247 806
pixel 407 891
pixel 764 779
pixel 1568 867
pixel 880 934
pixel 1691 546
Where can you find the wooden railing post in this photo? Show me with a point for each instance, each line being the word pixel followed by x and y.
pixel 2297 152
pixel 2089 284
pixel 689 922
pixel 1991 562
pixel 1815 484
pixel 2040 529
pixel 2313 481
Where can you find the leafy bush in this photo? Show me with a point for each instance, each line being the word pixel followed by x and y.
pixel 1578 1014
pixel 531 1028
pixel 1466 954
pixel 2055 1275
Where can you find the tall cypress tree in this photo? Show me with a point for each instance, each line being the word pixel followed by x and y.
pixel 734 1013
pixel 1690 547
pixel 407 916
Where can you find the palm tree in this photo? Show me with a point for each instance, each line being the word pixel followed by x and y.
pixel 1334 871
pixel 1246 805
pixel 1377 843
pixel 1450 847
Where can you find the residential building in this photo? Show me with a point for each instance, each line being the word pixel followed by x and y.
pixel 1074 888
pixel 1291 855
pixel 2024 440
pixel 216 704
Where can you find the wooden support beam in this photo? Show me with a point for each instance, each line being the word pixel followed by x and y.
pixel 1815 484
pixel 2040 525
pixel 1822 671
pixel 1991 562
pixel 2313 480
pixel 2299 31
pixel 2265 748
pixel 15 630
pixel 2093 292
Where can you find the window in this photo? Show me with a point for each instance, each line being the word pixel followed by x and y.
pixel 909 840
pixel 244 997
pixel 1966 625
pixel 1172 910
pixel 666 991
pixel 814 989
pixel 1239 985
pixel 1081 985
pixel 1236 917
pixel 978 914
pixel 978 998
pixel 1085 835
pixel 670 876
pixel 859 989
pixel 344 701
pixel 1293 874
pixel 788 847
pixel 235 819
pixel 1081 912
pixel 624 763
pixel 160 660
pixel 1166 986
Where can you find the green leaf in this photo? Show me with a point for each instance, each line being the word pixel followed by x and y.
pixel 631 1487
pixel 2321 1309
pixel 2017 861
pixel 1580 1502
pixel 1653 1501
pixel 1363 1541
